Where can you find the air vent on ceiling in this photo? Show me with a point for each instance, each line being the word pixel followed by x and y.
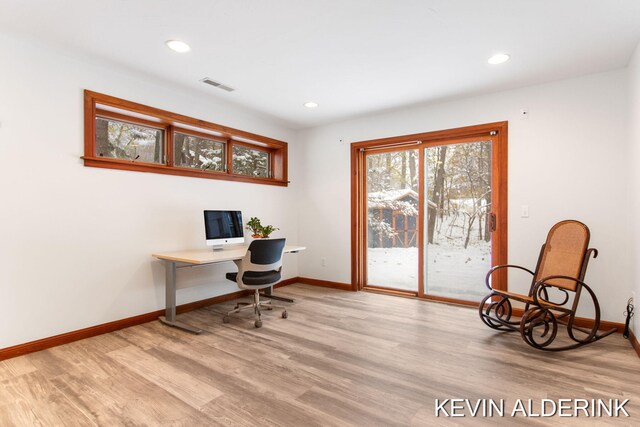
pixel 219 85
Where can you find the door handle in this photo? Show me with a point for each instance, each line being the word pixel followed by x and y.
pixel 491 218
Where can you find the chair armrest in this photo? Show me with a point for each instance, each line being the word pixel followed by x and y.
pixel 499 267
pixel 541 285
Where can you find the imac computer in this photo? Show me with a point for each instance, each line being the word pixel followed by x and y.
pixel 223 228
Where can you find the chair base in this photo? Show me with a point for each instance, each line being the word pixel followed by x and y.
pixel 256 306
pixel 538 326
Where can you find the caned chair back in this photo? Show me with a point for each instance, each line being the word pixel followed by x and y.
pixel 563 254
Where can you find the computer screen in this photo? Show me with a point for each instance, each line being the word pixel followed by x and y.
pixel 223 227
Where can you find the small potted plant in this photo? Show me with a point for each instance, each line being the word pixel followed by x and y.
pixel 267 230
pixel 255 227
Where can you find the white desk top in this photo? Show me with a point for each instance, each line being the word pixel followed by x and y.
pixel 208 256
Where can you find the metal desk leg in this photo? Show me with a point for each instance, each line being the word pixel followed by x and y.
pixel 268 293
pixel 170 297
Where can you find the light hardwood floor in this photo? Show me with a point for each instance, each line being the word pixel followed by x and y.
pixel 341 358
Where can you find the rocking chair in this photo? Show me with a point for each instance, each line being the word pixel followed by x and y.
pixel 561 268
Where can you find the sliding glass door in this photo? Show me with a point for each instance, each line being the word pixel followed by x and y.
pixel 392 219
pixel 457 252
pixel 431 214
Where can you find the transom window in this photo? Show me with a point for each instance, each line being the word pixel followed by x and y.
pixel 190 151
pixel 121 134
pixel 129 141
pixel 250 161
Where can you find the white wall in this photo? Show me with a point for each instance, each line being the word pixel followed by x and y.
pixel 568 160
pixel 634 167
pixel 75 242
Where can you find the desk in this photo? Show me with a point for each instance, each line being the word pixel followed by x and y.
pixel 195 258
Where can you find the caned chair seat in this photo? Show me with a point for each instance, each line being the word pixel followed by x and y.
pixel 524 298
pixel 515 296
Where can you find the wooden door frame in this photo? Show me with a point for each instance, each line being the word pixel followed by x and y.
pixel 499 134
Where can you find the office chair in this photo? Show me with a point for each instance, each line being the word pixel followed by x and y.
pixel 260 268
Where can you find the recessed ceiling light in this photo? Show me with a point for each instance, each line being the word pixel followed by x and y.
pixel 498 58
pixel 311 104
pixel 178 46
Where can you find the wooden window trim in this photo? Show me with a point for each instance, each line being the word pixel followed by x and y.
pixel 170 138
pixel 170 123
pixel 419 141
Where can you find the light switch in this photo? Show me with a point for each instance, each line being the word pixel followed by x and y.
pixel 524 211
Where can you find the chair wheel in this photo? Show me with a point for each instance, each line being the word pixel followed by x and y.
pixel 258 323
pixel 285 314
pixel 226 319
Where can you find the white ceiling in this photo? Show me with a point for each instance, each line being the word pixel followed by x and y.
pixel 351 56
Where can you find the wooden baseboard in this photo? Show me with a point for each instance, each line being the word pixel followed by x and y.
pixel 325 283
pixel 634 343
pixel 584 322
pixel 42 344
pixel 54 341
pixel 286 282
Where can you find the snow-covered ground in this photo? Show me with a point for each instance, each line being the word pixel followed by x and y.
pixel 452 271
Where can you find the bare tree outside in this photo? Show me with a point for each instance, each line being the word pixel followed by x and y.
pixel 459 183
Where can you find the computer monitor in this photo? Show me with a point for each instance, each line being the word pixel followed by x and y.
pixel 223 228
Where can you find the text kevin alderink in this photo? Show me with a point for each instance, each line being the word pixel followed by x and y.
pixel 531 408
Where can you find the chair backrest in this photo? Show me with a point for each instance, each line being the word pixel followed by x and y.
pixel 563 254
pixel 264 255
